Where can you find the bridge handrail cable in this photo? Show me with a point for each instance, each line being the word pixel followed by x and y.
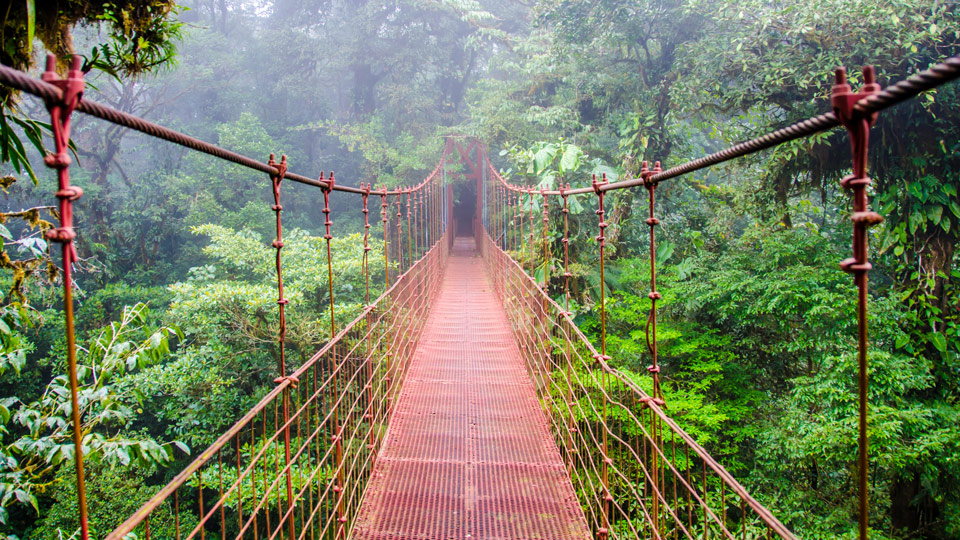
pixel 50 93
pixel 928 79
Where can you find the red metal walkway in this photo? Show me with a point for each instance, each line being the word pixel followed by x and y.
pixel 468 453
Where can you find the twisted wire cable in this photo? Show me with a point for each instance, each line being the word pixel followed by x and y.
pixel 938 75
pixel 50 93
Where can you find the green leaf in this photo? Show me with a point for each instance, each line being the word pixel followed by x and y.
pixel 915 219
pixel 4 232
pixel 664 251
pixel 916 190
pixel 935 213
pixel 938 341
pixel 955 208
pixel 543 158
pixel 31 22
pixel 570 161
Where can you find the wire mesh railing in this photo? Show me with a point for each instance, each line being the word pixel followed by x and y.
pixel 602 419
pixel 636 472
pixel 296 464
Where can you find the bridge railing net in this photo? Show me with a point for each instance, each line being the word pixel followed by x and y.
pixel 338 406
pixel 636 472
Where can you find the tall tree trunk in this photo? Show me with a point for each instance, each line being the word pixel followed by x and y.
pixel 935 251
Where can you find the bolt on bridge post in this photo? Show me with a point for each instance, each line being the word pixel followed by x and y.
pixel 858 126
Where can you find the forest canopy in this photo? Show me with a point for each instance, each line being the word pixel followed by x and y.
pixel 176 310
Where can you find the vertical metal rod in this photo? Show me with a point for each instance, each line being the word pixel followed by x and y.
pixel 602 359
pixel 651 337
pixel 386 257
pixel 409 234
pixel 239 485
pixel 520 237
pixel 328 237
pixel 365 270
pixel 276 179
pixel 532 250
pixel 651 331
pixel 566 308
pixel 858 125
pixel 399 235
pixel 72 87
pixel 546 247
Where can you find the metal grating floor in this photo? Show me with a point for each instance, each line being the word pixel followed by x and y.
pixel 468 453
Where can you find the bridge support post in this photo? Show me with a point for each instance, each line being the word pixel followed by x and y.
pixel 656 474
pixel 601 361
pixel 568 356
pixel 276 179
pixel 858 126
pixel 60 110
pixel 368 352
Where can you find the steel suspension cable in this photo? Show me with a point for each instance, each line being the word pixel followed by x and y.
pixel 51 93
pixel 928 79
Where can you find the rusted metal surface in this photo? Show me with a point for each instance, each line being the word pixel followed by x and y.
pixel 277 180
pixel 606 498
pixel 844 101
pixel 651 330
pixel 469 454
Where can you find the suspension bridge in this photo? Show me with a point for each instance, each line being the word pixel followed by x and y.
pixel 463 402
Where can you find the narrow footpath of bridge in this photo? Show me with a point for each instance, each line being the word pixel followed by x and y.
pixel 468 454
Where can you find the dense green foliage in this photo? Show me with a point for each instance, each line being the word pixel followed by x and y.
pixel 177 313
